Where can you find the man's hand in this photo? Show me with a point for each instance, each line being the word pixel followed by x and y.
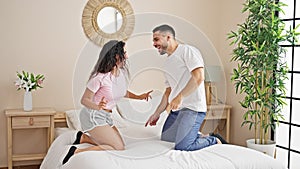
pixel 175 103
pixel 153 119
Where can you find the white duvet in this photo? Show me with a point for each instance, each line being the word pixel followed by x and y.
pixel 145 150
pixel 155 154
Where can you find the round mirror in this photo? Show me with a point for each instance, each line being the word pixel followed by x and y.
pixel 106 20
pixel 109 20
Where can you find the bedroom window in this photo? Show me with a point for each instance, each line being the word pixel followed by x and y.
pixel 287 135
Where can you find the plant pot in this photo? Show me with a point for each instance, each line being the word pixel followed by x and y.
pixel 268 148
pixel 27 105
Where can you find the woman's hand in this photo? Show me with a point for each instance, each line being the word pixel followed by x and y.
pixel 145 96
pixel 102 103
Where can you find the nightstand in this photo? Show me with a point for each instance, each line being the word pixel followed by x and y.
pixel 35 119
pixel 218 112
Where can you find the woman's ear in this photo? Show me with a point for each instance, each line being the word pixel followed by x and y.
pixel 117 57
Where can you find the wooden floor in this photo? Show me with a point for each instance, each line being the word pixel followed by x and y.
pixel 25 167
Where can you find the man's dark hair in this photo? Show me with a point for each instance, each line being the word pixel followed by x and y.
pixel 164 28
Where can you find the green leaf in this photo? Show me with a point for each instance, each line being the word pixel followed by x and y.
pixel 261 72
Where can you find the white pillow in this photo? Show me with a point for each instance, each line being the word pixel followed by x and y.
pixel 119 122
pixel 138 111
pixel 73 121
pixel 135 114
pixel 60 130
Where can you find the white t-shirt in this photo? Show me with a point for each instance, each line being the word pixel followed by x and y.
pixel 178 68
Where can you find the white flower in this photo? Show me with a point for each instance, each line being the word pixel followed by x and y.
pixel 28 81
pixel 28 85
pixel 19 83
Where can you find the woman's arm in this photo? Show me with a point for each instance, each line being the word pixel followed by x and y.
pixel 87 100
pixel 144 96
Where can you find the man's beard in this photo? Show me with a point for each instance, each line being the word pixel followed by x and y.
pixel 163 49
pixel 162 52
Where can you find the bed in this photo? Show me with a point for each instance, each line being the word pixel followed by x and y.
pixel 145 150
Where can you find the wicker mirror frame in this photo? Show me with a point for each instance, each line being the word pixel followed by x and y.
pixel 90 25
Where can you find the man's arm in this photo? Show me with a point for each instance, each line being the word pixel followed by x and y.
pixel 161 107
pixel 164 101
pixel 196 79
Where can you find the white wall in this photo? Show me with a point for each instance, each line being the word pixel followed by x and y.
pixel 231 16
pixel 46 37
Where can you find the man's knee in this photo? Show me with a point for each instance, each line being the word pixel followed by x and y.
pixel 166 137
pixel 182 147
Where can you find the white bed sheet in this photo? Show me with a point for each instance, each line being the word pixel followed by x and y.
pixel 155 154
pixel 145 150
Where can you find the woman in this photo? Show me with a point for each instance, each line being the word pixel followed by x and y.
pixel 106 85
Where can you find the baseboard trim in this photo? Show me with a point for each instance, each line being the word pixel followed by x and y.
pixel 24 167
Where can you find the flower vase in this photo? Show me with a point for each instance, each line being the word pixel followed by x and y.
pixel 27 106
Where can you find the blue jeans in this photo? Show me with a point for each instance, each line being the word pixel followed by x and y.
pixel 182 127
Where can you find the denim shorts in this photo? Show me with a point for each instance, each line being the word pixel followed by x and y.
pixel 90 118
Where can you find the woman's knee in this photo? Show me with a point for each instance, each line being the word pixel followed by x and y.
pixel 119 147
pixel 114 145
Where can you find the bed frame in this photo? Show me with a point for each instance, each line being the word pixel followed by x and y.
pixel 60 119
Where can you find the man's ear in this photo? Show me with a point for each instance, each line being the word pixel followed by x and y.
pixel 168 37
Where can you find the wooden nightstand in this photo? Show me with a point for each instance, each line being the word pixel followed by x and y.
pixel 219 112
pixel 19 119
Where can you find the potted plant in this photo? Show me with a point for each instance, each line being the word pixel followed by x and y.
pixel 261 69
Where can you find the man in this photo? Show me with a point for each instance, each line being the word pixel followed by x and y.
pixel 184 96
